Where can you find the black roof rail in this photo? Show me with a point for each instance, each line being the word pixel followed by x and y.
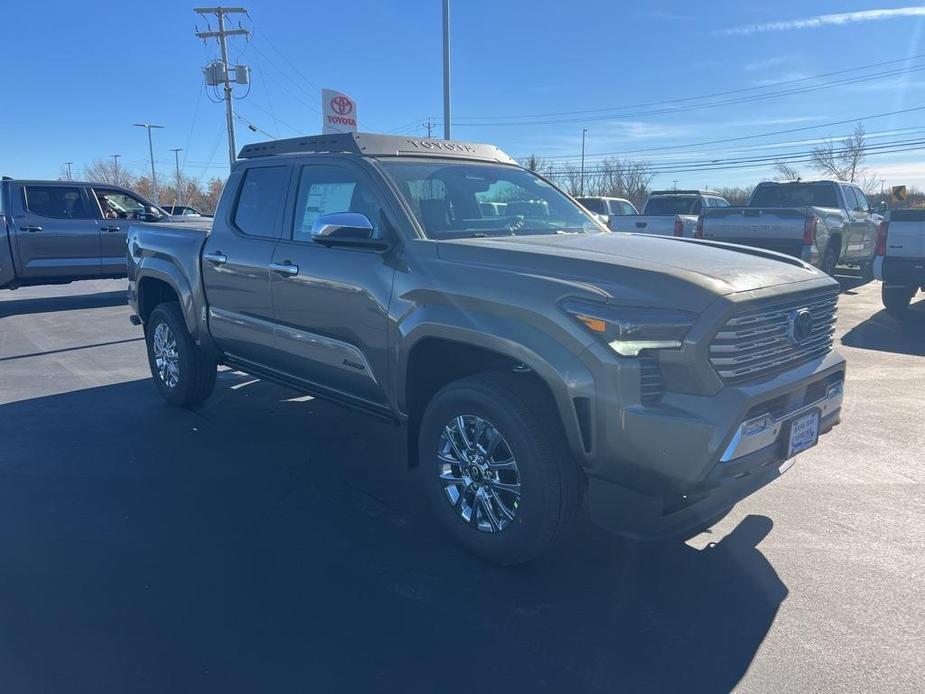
pixel 372 145
pixel 683 192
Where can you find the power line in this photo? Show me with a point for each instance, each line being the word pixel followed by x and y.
pixel 696 107
pixel 700 97
pixel 742 138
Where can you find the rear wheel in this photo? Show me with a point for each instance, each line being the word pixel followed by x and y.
pixel 495 467
pixel 183 373
pixel 867 272
pixel 896 299
pixel 829 260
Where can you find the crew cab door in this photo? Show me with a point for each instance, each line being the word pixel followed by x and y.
pixel 236 262
pixel 55 231
pixel 864 228
pixel 117 209
pixel 331 303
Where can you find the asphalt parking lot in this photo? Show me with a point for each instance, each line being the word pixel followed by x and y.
pixel 267 542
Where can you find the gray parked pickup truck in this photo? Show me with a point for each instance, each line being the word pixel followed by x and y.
pixel 670 213
pixel 826 223
pixel 528 358
pixel 900 259
pixel 53 232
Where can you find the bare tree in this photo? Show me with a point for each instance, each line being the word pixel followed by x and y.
pixel 737 195
pixel 842 160
pixel 536 164
pixel 103 171
pixel 786 172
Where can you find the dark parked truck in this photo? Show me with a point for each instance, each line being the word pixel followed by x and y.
pixel 530 358
pixel 53 232
pixel 826 223
pixel 670 213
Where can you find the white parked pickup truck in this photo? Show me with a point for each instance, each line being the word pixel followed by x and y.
pixel 670 213
pixel 826 223
pixel 900 258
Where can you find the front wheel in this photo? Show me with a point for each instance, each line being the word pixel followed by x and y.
pixel 896 299
pixel 183 373
pixel 495 467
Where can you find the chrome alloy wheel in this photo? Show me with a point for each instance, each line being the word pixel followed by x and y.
pixel 166 357
pixel 479 474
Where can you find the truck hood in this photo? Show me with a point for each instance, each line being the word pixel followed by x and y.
pixel 642 269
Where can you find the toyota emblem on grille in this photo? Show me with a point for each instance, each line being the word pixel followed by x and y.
pixel 800 326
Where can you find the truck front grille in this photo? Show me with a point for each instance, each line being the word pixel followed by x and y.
pixel 759 341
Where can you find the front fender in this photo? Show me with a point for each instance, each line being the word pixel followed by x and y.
pixel 560 368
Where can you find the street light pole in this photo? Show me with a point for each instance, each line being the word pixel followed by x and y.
pixel 148 126
pixel 584 131
pixel 115 169
pixel 176 156
pixel 446 69
pixel 68 165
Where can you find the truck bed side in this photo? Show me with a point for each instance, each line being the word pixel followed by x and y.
pixel 169 254
pixel 658 225
pixel 778 229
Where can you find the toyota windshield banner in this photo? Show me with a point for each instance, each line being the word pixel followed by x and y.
pixel 339 112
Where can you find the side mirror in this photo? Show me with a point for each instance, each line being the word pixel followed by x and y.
pixel 345 229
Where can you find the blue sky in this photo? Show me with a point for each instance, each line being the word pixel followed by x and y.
pixel 77 75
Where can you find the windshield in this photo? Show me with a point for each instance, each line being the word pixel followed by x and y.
pixel 670 205
pixel 459 200
pixel 795 195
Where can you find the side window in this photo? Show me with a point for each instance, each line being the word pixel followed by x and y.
pixel 615 207
pixel 627 208
pixel 697 206
pixel 260 200
pixel 331 189
pixel 114 204
pixel 851 200
pixel 57 202
pixel 863 202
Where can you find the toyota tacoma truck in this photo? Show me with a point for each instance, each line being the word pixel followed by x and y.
pixel 825 223
pixel 530 360
pixel 900 259
pixel 670 213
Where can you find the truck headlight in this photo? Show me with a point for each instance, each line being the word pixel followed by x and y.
pixel 629 330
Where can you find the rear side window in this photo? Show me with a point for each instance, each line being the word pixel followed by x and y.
pixel 260 200
pixel 57 202
pixel 672 204
pixel 627 208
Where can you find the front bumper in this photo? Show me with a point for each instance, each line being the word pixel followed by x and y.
pixel 711 452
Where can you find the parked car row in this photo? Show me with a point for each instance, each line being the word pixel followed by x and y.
pixel 528 357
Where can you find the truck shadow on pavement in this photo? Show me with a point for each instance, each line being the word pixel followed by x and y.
pixel 48 304
pixel 885 333
pixel 265 543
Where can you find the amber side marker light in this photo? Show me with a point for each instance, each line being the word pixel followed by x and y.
pixel 594 324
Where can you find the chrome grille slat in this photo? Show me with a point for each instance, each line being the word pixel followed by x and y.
pixel 755 341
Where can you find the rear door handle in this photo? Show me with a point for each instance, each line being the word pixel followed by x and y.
pixel 286 269
pixel 218 258
pixel 30 228
pixel 110 228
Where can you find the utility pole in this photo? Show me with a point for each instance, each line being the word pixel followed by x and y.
pixel 68 165
pixel 675 184
pixel 446 69
pixel 148 127
pixel 221 35
pixel 115 169
pixel 430 128
pixel 176 157
pixel 584 131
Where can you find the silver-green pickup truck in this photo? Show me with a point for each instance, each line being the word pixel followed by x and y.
pixel 530 358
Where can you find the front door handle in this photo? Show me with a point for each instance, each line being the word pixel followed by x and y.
pixel 110 228
pixel 30 228
pixel 286 269
pixel 218 258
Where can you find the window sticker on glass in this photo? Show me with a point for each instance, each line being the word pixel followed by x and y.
pixel 325 198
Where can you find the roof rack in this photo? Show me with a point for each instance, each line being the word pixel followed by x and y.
pixel 683 192
pixel 371 145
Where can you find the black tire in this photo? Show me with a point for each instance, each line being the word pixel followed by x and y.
pixel 867 272
pixel 195 375
pixel 551 484
pixel 829 260
pixel 896 299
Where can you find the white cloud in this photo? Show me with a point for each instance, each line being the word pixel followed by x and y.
pixel 767 63
pixel 827 20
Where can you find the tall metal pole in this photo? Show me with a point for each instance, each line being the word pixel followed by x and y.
pixel 115 168
pixel 148 127
pixel 446 69
pixel 584 131
pixel 68 165
pixel 176 157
